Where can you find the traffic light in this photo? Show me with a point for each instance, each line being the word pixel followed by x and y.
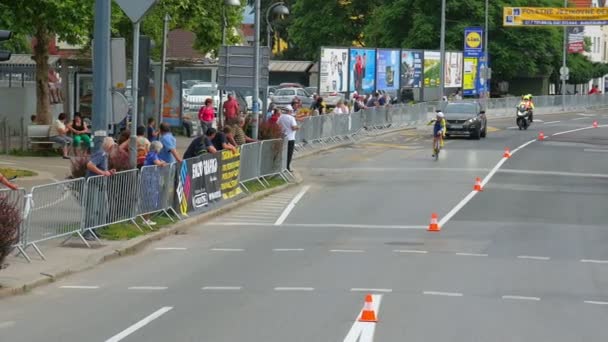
pixel 5 35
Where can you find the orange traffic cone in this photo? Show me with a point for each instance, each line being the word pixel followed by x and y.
pixel 477 186
pixel 541 136
pixel 595 124
pixel 507 153
pixel 434 226
pixel 368 314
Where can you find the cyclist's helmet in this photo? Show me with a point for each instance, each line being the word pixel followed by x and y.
pixel 527 97
pixel 440 115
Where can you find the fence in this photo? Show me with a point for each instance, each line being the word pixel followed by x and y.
pixel 78 206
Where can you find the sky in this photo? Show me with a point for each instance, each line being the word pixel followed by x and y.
pixel 247 17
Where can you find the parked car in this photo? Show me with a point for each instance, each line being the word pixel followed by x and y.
pixel 332 99
pixel 198 94
pixel 285 96
pixel 312 90
pixel 290 85
pixel 466 119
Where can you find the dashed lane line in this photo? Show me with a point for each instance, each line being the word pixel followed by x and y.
pixel 288 249
pixel 552 122
pixel 347 251
pixel 592 261
pixel 595 302
pixel 445 294
pixel 412 251
pixel 511 297
pixel 221 288
pixel 79 287
pixel 227 250
pixel 147 288
pixel 370 290
pixel 472 254
pixel 530 257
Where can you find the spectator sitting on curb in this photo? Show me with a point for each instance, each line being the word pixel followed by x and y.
pixel 168 153
pixel 58 134
pixel 7 183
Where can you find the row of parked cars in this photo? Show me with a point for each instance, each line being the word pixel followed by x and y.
pixel 194 94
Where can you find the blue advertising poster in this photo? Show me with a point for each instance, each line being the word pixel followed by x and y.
pixel 362 70
pixel 473 42
pixel 411 68
pixel 387 70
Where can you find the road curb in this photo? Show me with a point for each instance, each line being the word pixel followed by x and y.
pixel 138 244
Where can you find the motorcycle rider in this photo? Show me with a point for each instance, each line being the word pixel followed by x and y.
pixel 527 102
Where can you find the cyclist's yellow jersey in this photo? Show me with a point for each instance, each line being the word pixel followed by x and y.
pixel 439 126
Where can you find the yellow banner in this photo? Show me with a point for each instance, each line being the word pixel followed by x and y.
pixel 547 16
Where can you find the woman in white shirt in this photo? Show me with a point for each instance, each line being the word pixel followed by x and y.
pixel 341 108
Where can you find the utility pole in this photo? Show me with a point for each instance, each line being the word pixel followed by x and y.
pixel 101 70
pixel 442 52
pixel 134 92
pixel 256 75
pixel 163 66
pixel 564 70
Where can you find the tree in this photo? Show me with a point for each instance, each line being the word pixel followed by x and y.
pixel 68 20
pixel 317 23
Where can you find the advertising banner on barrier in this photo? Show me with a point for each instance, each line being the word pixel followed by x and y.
pixel 432 69
pixel 212 176
pixel 231 166
pixel 387 70
pixel 411 68
pixel 191 194
pixel 548 16
pixel 333 70
pixel 453 70
pixel 362 74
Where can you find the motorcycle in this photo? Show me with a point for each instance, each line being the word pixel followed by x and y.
pixel 523 117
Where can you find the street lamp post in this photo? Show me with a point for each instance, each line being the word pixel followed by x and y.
pixel 563 72
pixel 278 9
pixel 235 3
pixel 485 48
pixel 442 52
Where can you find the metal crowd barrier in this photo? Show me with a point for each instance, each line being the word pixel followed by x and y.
pixel 56 210
pixel 78 206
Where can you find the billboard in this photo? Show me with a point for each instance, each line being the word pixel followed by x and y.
pixel 548 16
pixel 362 68
pixel 172 100
pixel 411 68
pixel 469 84
pixel 432 69
pixel 333 70
pixel 576 39
pixel 387 70
pixel 453 70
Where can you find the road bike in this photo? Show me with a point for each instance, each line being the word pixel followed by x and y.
pixel 437 146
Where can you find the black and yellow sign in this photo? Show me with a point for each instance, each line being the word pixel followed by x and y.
pixel 231 166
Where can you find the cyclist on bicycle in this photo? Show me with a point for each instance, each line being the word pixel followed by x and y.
pixel 438 130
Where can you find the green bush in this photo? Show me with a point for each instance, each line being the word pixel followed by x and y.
pixel 10 219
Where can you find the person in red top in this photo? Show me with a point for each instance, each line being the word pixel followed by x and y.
pixel 594 90
pixel 231 110
pixel 275 116
pixel 206 116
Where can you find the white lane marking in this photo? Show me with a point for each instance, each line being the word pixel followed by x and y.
pixel 591 261
pixel 457 208
pixel 578 119
pixel 148 288
pixel 369 290
pixel 79 287
pixel 578 129
pixel 318 225
pixel 120 336
pixel 347 251
pixel 595 150
pixel 221 288
pixel 170 248
pixel 283 288
pixel 7 324
pixel 521 298
pixel 288 250
pixel 588 115
pixel 595 302
pixel 551 122
pixel 414 251
pixel 446 294
pixel 554 173
pixel 472 254
pixel 538 120
pixel 512 127
pixel 291 206
pixel 364 331
pixel 522 146
pixel 227 250
pixel 530 257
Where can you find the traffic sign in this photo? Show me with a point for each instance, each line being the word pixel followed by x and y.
pixel 564 71
pixel 136 9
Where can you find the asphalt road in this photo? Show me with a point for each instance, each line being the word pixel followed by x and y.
pixel 524 260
